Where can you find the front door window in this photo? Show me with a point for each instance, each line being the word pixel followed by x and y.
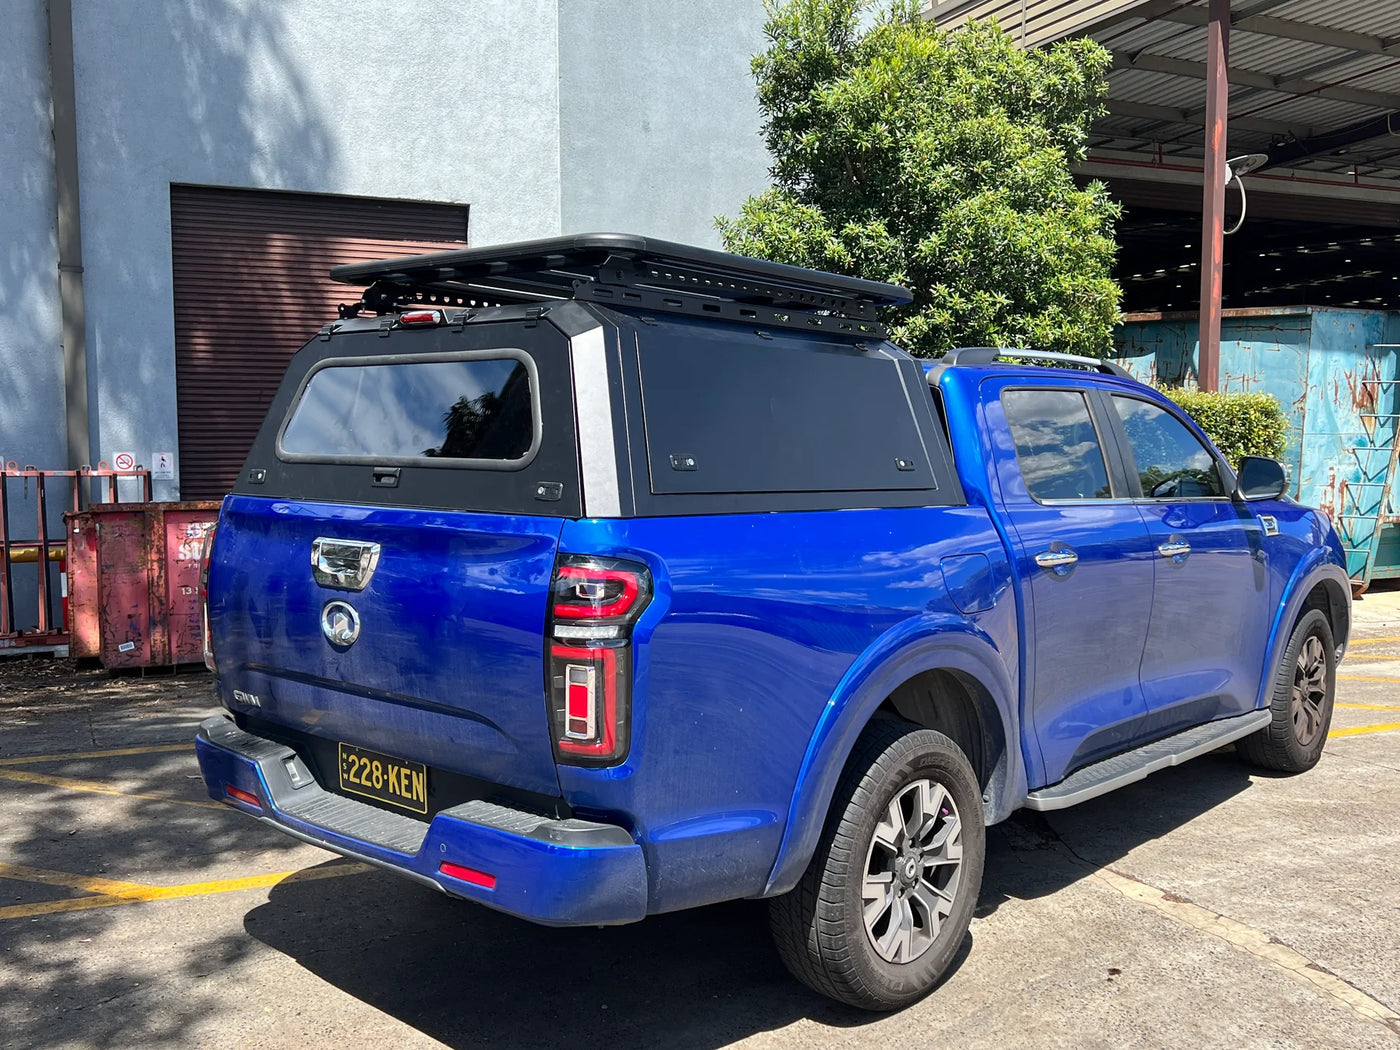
pixel 1171 462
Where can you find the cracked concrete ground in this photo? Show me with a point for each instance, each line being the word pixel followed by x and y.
pixel 1209 906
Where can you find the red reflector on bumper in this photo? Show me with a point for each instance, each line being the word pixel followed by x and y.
pixel 476 878
pixel 246 797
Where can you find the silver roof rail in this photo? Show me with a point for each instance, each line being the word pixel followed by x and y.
pixel 986 355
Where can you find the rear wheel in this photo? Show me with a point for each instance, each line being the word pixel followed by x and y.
pixel 1302 701
pixel 887 899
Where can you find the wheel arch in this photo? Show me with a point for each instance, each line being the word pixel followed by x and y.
pixel 960 707
pixel 1318 583
pixel 908 671
pixel 1333 599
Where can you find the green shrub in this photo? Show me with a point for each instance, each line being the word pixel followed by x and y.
pixel 1239 424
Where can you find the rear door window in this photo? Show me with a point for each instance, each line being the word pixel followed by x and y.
pixel 1057 446
pixel 477 409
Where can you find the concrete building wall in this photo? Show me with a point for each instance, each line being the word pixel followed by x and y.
pixel 31 356
pixel 659 121
pixel 457 103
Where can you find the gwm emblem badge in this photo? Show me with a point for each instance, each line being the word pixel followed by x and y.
pixel 340 623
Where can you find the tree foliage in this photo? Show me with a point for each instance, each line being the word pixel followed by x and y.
pixel 937 160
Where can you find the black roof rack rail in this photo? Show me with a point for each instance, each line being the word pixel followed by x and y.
pixel 986 355
pixel 627 270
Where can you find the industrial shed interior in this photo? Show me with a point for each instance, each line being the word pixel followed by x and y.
pixel 1314 85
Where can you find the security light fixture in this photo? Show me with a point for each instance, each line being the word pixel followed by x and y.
pixel 1236 167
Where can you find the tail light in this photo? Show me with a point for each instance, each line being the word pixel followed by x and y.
pixel 594 604
pixel 204 554
pixel 421 317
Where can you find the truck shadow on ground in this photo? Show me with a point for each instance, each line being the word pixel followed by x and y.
pixel 470 977
pixel 467 976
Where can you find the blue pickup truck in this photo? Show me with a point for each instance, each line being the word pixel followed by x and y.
pixel 599 576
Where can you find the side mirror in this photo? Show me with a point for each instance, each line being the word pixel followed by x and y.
pixel 1260 478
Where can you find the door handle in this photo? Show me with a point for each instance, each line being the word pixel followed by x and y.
pixel 1059 562
pixel 1176 550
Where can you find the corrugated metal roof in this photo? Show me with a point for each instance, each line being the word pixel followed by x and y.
pixel 1034 22
pixel 1300 69
pixel 1376 17
pixel 1157 89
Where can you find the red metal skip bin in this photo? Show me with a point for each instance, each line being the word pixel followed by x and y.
pixel 133 582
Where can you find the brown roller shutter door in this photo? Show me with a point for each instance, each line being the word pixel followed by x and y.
pixel 250 280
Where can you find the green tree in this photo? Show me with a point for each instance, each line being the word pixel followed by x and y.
pixel 941 161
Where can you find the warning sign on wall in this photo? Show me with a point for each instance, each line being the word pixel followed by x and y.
pixel 124 461
pixel 162 466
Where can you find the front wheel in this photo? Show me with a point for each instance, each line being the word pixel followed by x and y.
pixel 1301 702
pixel 888 897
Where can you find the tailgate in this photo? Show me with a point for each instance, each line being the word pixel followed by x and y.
pixel 448 452
pixel 447 668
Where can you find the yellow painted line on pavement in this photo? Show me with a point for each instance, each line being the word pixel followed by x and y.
pixel 1366 678
pixel 111 892
pixel 29 911
pixel 1371 707
pixel 49 877
pixel 249 882
pixel 25 776
pixel 1384 727
pixel 77 756
pixel 1365 658
pixel 1370 641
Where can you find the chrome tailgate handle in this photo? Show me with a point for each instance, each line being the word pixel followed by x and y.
pixel 346 564
pixel 1059 562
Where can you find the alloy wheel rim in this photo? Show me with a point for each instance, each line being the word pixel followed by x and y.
pixel 1309 691
pixel 913 869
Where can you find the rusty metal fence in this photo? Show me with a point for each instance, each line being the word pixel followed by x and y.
pixel 39 622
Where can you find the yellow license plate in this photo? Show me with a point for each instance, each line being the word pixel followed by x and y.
pixel 382 777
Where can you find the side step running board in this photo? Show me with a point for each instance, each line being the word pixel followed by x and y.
pixel 1132 766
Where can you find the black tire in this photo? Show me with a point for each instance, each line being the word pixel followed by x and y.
pixel 820 926
pixel 1302 701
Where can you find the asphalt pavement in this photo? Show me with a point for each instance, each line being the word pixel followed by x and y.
pixel 1209 906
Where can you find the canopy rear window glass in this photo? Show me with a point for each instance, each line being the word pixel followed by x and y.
pixel 477 407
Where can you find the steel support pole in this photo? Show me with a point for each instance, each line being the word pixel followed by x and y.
pixel 70 237
pixel 1213 202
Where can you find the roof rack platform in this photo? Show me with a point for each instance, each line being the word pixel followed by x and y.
pixel 627 270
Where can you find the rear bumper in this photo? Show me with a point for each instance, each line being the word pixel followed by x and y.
pixel 556 872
